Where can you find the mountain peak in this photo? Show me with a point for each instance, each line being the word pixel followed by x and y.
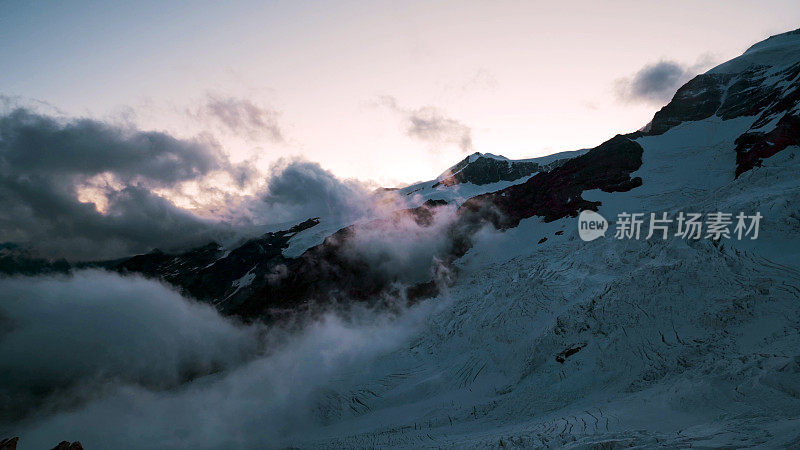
pixel 778 51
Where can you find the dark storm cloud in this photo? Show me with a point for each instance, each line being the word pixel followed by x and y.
pixel 44 163
pixel 429 124
pixel 38 144
pixel 657 83
pixel 241 117
pixel 299 189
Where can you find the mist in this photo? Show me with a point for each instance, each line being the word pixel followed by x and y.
pixel 404 247
pixel 124 362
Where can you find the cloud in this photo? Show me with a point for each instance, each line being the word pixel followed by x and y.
pixel 656 83
pixel 429 124
pixel 65 339
pixel 298 189
pixel 241 117
pixel 109 351
pixel 404 247
pixel 87 190
pixel 57 176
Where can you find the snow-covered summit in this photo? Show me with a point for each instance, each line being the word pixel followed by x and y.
pixel 781 50
pixel 762 84
pixel 484 168
pixel 473 158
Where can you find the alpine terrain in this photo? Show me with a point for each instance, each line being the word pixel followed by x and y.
pixel 499 326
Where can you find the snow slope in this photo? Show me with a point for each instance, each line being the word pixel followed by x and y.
pixel 777 52
pixel 611 343
pixel 680 343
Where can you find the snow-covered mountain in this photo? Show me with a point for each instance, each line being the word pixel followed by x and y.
pixel 533 337
pixel 550 341
pixel 283 267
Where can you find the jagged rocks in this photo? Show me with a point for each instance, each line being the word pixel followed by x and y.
pixel 698 99
pixel 66 445
pixel 210 273
pixel 556 194
pixel 9 443
pixel 478 169
pixel 753 147
pixel 566 353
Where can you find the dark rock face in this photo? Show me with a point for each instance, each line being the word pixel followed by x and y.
pixel 747 95
pixel 763 141
pixel 756 91
pixel 9 443
pixel 556 194
pixel 485 170
pixel 66 445
pixel 698 99
pixel 753 147
pixel 257 282
pixel 17 261
pixel 566 353
pixel 209 274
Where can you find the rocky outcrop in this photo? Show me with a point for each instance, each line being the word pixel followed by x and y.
pixel 481 169
pixel 212 274
pixel 778 125
pixel 566 353
pixel 66 445
pixel 478 169
pixel 19 261
pixel 11 444
pixel 763 83
pixel 556 194
pixel 753 147
pixel 698 99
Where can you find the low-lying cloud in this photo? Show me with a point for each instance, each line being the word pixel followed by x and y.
pixel 430 125
pixel 65 339
pixel 405 247
pixel 128 341
pixel 656 83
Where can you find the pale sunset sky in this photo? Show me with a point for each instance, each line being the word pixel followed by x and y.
pixel 391 92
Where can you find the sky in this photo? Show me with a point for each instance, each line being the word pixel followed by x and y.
pixel 343 82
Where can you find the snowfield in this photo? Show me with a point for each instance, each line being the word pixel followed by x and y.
pixel 611 343
pixel 670 343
